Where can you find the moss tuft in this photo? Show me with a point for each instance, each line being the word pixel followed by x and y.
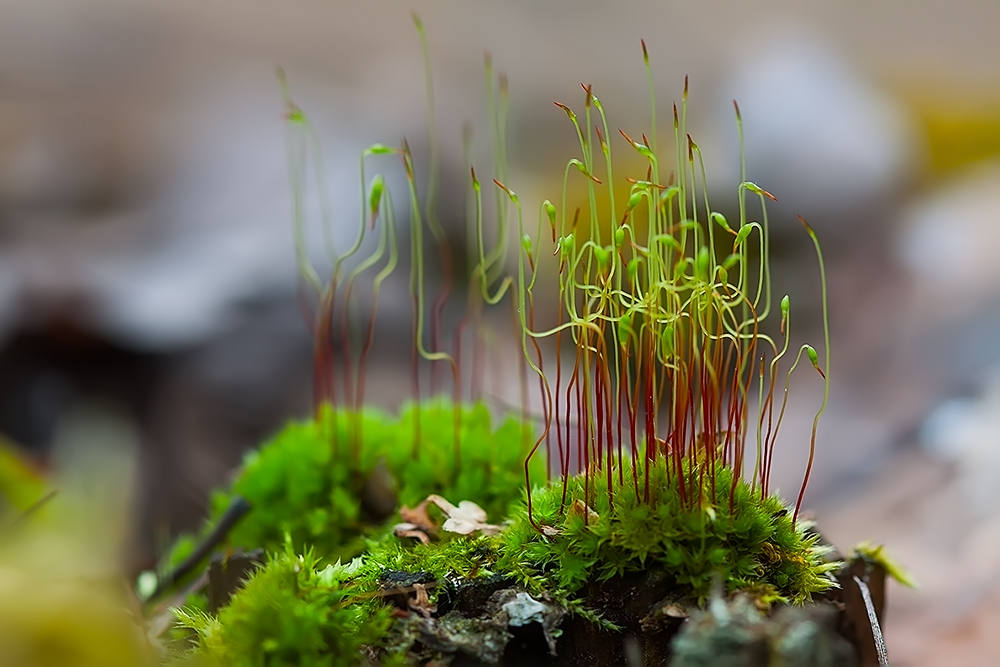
pixel 749 544
pixel 293 611
pixel 330 482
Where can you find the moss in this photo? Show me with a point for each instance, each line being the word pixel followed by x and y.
pixel 301 609
pixel 293 611
pixel 444 561
pixel 316 479
pixel 751 544
pixel 687 322
pixel 876 554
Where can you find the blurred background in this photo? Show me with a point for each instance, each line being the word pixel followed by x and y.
pixel 148 294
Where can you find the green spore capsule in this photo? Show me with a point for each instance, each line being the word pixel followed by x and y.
pixel 667 342
pixel 634 199
pixel 375 194
pixel 625 331
pixel 580 167
pixel 378 149
pixel 742 235
pixel 731 261
pixel 669 193
pixel 527 244
pixel 668 240
pixel 813 356
pixel 785 304
pixel 757 190
pixel 550 211
pixel 567 245
pixel 633 267
pixel 680 268
pixel 603 257
pixel 701 267
pixel 619 237
pixel 721 221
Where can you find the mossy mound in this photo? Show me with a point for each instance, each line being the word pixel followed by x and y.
pixel 295 610
pixel 406 601
pixel 330 482
pixel 731 536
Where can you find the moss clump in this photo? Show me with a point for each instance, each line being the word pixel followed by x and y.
pixel 302 610
pixel 316 480
pixel 293 611
pixel 750 544
pixel 876 555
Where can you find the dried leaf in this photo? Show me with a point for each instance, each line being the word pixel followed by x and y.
pixel 584 510
pixel 419 517
pixel 421 602
pixel 466 518
pixel 410 530
pixel 550 531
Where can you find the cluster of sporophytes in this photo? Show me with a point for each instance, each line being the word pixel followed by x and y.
pixel 662 371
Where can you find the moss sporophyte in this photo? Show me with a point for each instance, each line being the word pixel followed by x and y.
pixel 654 375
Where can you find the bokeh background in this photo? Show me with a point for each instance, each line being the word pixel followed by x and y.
pixel 148 290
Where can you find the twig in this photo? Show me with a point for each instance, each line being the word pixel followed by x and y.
pixel 34 507
pixel 883 656
pixel 236 510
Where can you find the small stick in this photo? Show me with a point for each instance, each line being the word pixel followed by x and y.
pixel 237 510
pixel 883 655
pixel 31 509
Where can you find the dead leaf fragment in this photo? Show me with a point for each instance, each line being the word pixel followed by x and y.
pixel 584 510
pixel 466 518
pixel 421 602
pixel 419 517
pixel 550 531
pixel 410 530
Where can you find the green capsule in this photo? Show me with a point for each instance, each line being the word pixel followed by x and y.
pixel 625 331
pixel 567 245
pixel 701 266
pixel 378 149
pixel 550 211
pixel 667 341
pixel 633 267
pixel 669 193
pixel 668 240
pixel 742 235
pixel 785 304
pixel 375 194
pixel 603 256
pixel 757 190
pixel 813 356
pixel 721 221
pixel 634 199
pixel 619 237
pixel 527 244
